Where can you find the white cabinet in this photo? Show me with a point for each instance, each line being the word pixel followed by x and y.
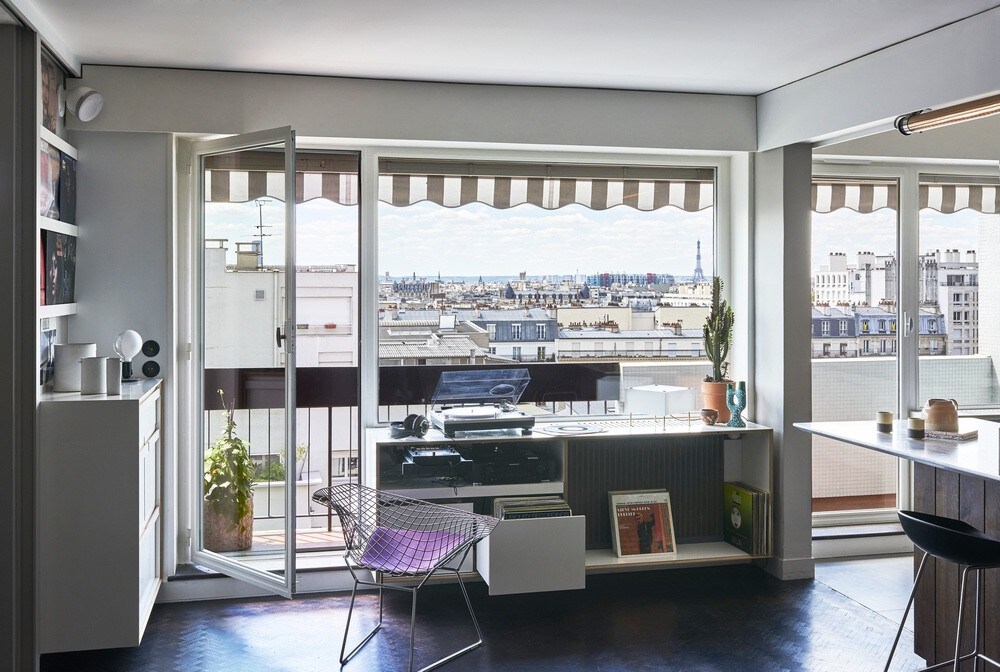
pixel 99 490
pixel 534 555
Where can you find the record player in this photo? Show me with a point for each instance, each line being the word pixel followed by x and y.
pixel 480 400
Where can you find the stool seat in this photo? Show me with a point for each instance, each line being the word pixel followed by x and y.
pixel 958 542
pixel 950 539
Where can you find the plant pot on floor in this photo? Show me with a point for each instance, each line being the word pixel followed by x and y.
pixel 223 533
pixel 713 395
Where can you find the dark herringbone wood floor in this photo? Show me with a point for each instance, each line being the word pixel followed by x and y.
pixel 724 619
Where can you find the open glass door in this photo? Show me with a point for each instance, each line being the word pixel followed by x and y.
pixel 245 214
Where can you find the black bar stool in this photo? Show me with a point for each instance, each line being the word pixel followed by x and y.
pixel 958 542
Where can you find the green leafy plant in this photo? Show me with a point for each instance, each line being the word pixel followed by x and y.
pixel 271 471
pixel 718 334
pixel 229 472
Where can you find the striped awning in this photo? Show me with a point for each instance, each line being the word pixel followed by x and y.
pixel 506 184
pixel 867 197
pixel 244 176
pixel 506 192
pixel 240 186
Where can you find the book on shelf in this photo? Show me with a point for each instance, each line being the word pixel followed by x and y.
pixel 745 519
pixel 67 188
pixel 642 524
pixel 48 180
pixel 60 268
pixel 519 508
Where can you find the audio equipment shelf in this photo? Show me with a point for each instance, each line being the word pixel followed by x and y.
pixel 689 460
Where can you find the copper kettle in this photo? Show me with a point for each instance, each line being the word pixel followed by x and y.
pixel 941 415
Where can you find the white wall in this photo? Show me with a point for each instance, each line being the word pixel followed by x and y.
pixel 186 101
pixel 783 384
pixel 953 63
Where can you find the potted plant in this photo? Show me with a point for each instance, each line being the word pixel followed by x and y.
pixel 228 490
pixel 718 334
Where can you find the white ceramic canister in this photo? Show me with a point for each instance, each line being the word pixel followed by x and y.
pixel 66 364
pixel 114 375
pixel 94 375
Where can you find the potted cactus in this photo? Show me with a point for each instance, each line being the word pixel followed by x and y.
pixel 718 334
pixel 228 490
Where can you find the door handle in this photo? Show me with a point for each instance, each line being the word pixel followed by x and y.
pixel 278 336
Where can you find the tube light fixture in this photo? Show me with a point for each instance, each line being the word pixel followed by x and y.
pixel 924 120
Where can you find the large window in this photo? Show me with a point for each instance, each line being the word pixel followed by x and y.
pixel 567 270
pixel 951 225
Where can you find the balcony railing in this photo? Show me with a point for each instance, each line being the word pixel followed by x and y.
pixel 849 388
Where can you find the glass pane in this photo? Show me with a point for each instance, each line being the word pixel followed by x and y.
pixel 590 301
pixel 243 305
pixel 958 262
pixel 326 355
pixel 854 324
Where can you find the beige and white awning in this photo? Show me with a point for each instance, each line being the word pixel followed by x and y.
pixel 867 197
pixel 453 184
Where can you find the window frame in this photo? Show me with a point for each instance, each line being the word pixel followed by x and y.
pixel 724 240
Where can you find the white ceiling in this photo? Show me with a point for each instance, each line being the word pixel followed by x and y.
pixel 704 46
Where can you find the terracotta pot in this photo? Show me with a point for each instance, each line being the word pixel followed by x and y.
pixel 223 533
pixel 941 415
pixel 714 396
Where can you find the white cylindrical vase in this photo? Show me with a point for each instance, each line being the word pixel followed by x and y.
pixel 66 364
pixel 94 375
pixel 114 375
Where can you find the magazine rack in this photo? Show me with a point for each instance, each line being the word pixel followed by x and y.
pixel 402 537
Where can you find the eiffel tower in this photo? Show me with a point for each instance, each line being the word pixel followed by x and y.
pixel 699 275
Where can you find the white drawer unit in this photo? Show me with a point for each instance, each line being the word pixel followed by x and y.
pixel 99 568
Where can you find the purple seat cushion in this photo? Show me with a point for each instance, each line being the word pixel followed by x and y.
pixel 408 551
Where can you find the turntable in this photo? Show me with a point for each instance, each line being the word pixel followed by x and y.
pixel 480 400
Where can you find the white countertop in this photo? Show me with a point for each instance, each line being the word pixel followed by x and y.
pixel 609 427
pixel 130 392
pixel 976 457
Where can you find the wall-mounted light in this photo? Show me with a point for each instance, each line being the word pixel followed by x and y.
pixel 916 122
pixel 84 102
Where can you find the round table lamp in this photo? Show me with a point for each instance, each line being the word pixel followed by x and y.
pixel 128 344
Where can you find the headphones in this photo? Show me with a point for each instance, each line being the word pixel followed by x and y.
pixel 412 425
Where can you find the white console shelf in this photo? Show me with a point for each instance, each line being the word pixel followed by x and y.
pixel 556 553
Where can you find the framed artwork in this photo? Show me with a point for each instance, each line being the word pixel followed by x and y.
pixel 60 268
pixel 49 164
pixel 46 337
pixel 67 188
pixel 51 76
pixel 642 524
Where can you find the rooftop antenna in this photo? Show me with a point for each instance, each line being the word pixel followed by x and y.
pixel 260 230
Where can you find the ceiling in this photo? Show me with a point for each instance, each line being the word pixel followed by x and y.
pixel 742 47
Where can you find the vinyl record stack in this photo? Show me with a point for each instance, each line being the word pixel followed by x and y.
pixel 745 519
pixel 514 508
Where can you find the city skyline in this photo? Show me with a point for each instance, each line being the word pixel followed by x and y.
pixel 475 240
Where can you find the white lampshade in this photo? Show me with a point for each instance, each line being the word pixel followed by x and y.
pixel 85 103
pixel 128 344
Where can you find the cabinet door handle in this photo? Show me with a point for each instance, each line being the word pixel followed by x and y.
pixel 278 336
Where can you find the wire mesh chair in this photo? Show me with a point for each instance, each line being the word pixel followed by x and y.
pixel 399 536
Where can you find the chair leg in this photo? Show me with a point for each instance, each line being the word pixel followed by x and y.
pixel 347 626
pixel 909 603
pixel 961 610
pixel 475 623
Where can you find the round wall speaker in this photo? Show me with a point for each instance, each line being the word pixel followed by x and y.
pixel 151 348
pixel 151 369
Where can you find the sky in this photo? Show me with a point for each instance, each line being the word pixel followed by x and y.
pixel 849 232
pixel 473 240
